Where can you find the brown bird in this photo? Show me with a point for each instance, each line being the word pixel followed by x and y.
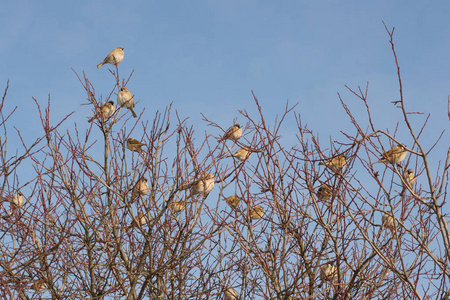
pixel 114 57
pixel 256 213
pixel 324 192
pixel 336 163
pixel 140 188
pixel 104 112
pixel 38 286
pixel 17 201
pixel 394 156
pixel 233 133
pixel 409 177
pixel 204 185
pixel 134 145
pixel 328 272
pixel 243 153
pixel 177 206
pixel 139 219
pixel 388 221
pixel 230 294
pixel 233 201
pixel 125 99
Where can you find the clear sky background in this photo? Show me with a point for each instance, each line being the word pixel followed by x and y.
pixel 207 56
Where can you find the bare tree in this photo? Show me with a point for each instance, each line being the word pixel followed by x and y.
pixel 222 216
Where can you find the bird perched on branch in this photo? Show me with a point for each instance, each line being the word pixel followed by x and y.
pixel 125 99
pixel 388 221
pixel 18 201
pixel 203 185
pixel 409 177
pixel 394 156
pixel 140 188
pixel 243 153
pixel 104 112
pixel 177 206
pixel 233 133
pixel 38 286
pixel 328 272
pixel 139 219
pixel 230 294
pixel 336 163
pixel 256 213
pixel 408 181
pixel 233 201
pixel 324 192
pixel 134 145
pixel 114 57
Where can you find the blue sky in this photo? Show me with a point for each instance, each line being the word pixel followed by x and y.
pixel 206 56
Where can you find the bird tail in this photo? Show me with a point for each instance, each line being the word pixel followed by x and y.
pixel 134 114
pixel 99 65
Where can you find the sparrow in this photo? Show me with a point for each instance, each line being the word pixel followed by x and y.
pixel 38 286
pixel 104 112
pixel 394 156
pixel 256 213
pixel 230 294
pixel 324 192
pixel 177 206
pixel 388 221
pixel 18 200
pixel 204 185
pixel 242 154
pixel 233 201
pixel 233 133
pixel 125 99
pixel 140 188
pixel 328 272
pixel 114 57
pixel 408 175
pixel 336 163
pixel 134 145
pixel 139 219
